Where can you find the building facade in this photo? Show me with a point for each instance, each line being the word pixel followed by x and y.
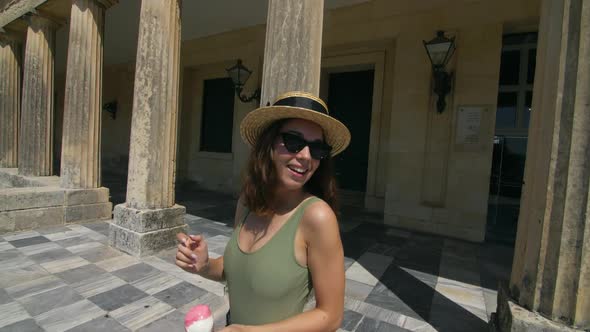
pixel 406 160
pixel 140 89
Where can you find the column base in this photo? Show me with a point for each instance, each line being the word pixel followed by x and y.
pixel 25 208
pixel 511 317
pixel 144 232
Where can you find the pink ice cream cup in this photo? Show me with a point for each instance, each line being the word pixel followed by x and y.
pixel 199 319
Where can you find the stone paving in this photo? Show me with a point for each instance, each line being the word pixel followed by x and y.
pixel 69 279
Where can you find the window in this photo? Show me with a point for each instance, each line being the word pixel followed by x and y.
pixel 218 113
pixel 517 71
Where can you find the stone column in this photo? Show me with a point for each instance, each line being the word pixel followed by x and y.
pixel 149 220
pixel 293 48
pixel 550 281
pixel 36 134
pixel 10 71
pixel 80 155
pixel 80 151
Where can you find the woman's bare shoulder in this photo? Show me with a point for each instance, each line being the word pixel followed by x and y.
pixel 319 216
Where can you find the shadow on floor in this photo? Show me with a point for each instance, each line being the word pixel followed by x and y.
pixel 408 285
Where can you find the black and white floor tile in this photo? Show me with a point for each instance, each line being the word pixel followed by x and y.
pixel 67 278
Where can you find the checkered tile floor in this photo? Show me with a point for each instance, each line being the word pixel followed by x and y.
pixel 69 279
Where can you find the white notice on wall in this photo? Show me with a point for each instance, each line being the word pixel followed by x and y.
pixel 468 125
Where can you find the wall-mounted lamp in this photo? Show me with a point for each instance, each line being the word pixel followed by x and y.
pixel 111 108
pixel 239 74
pixel 440 50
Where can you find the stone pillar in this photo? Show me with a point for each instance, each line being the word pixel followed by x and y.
pixel 149 220
pixel 10 71
pixel 36 134
pixel 550 281
pixel 80 155
pixel 293 48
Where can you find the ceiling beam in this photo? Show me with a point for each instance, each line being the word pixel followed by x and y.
pixel 18 9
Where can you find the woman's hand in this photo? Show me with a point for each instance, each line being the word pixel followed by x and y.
pixel 192 254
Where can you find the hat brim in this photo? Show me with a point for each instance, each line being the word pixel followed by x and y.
pixel 335 132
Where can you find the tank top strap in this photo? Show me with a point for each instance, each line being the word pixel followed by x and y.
pixel 298 215
pixel 246 214
pixel 238 227
pixel 295 219
pixel 305 204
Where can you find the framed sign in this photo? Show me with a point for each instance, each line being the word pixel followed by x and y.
pixel 472 124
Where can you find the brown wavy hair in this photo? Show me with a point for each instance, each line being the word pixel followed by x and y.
pixel 259 180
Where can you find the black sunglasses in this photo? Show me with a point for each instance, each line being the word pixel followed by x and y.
pixel 295 143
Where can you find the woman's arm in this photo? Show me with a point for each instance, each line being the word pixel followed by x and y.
pixel 193 256
pixel 325 258
pixel 193 253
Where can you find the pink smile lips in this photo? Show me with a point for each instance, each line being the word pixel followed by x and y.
pixel 199 319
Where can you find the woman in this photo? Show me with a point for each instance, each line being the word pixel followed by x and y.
pixel 286 239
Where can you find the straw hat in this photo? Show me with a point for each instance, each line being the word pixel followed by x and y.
pixel 300 105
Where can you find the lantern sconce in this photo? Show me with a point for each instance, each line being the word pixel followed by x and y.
pixel 239 74
pixel 440 50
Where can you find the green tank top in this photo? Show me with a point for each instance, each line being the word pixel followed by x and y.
pixel 267 285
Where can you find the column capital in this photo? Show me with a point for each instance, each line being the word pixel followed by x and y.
pixel 43 19
pixel 107 3
pixel 11 36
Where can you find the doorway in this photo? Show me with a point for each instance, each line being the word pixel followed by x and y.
pixel 517 70
pixel 350 100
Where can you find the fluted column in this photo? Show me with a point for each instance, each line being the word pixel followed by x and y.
pixel 80 155
pixel 149 220
pixel 155 107
pixel 293 48
pixel 10 71
pixel 36 134
pixel 550 280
